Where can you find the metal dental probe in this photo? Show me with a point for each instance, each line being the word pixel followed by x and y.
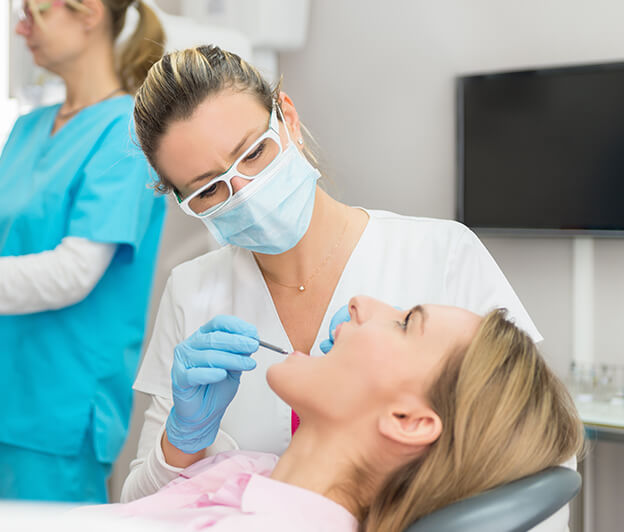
pixel 273 347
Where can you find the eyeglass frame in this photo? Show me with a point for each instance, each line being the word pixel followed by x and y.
pixel 24 13
pixel 271 132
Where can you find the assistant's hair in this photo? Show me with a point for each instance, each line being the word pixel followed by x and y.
pixel 505 415
pixel 144 47
pixel 177 84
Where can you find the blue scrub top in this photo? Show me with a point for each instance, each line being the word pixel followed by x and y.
pixel 62 370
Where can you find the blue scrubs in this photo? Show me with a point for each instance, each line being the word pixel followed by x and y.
pixel 66 375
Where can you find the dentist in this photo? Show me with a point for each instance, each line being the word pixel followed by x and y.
pixel 231 151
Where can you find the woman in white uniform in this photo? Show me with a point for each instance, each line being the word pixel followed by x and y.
pixel 231 150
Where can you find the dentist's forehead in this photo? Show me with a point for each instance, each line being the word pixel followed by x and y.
pixel 203 142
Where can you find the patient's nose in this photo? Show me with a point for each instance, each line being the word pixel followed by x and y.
pixel 363 308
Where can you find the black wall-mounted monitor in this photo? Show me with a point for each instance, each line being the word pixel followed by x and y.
pixel 542 151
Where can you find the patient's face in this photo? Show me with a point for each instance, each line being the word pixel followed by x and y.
pixel 377 357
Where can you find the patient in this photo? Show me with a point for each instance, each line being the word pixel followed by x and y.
pixel 409 412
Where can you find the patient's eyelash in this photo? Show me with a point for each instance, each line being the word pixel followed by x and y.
pixel 403 324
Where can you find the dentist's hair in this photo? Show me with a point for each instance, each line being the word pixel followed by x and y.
pixel 505 415
pixel 177 84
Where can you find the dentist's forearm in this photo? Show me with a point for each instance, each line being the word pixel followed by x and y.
pixel 177 458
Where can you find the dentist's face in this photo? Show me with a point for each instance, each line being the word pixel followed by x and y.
pixel 196 149
pixel 378 356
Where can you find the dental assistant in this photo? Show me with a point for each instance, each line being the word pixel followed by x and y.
pixel 79 233
pixel 231 151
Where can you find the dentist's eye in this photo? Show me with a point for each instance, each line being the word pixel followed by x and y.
pixel 256 153
pixel 210 191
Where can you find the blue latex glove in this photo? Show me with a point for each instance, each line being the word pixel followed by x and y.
pixel 341 316
pixel 205 376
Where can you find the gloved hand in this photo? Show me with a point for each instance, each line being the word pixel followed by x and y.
pixel 341 316
pixel 205 376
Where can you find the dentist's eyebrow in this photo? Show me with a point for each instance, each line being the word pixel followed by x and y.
pixel 233 153
pixel 423 316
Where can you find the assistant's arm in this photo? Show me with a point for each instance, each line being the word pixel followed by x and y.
pixel 52 279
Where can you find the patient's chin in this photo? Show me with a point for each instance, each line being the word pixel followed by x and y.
pixel 277 377
pixel 283 379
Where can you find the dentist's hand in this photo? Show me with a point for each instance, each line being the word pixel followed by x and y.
pixel 341 316
pixel 205 376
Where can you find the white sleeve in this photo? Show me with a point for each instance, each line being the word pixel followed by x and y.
pixel 148 471
pixel 52 279
pixel 474 281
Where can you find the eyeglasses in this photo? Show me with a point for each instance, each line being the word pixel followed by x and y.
pixel 216 194
pixel 25 13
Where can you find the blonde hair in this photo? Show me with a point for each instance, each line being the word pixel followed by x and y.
pixel 177 84
pixel 505 415
pixel 144 47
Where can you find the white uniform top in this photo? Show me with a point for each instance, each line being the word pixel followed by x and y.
pixel 400 260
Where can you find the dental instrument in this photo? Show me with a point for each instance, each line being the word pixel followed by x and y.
pixel 273 347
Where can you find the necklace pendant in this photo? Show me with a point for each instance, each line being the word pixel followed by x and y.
pixel 301 288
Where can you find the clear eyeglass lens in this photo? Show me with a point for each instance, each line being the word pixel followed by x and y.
pixel 24 14
pixel 211 198
pixel 257 160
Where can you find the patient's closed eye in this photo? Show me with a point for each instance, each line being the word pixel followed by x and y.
pixel 403 324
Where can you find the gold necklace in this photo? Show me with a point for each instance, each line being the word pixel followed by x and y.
pixel 302 286
pixel 67 114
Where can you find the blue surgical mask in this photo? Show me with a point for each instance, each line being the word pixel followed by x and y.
pixel 272 213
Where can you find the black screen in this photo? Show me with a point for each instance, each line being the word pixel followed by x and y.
pixel 542 149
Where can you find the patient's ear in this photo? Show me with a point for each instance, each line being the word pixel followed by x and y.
pixel 415 426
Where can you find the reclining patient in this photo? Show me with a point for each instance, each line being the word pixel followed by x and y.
pixel 409 412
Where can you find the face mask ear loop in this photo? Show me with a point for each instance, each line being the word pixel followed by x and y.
pixel 279 110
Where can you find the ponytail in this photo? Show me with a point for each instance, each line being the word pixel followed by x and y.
pixel 144 47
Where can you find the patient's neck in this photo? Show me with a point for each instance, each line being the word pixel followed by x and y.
pixel 326 462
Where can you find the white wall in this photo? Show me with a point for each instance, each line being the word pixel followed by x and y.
pixel 375 85
pixel 8 108
pixel 4 52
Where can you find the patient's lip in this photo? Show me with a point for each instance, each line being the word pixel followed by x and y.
pixel 299 354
